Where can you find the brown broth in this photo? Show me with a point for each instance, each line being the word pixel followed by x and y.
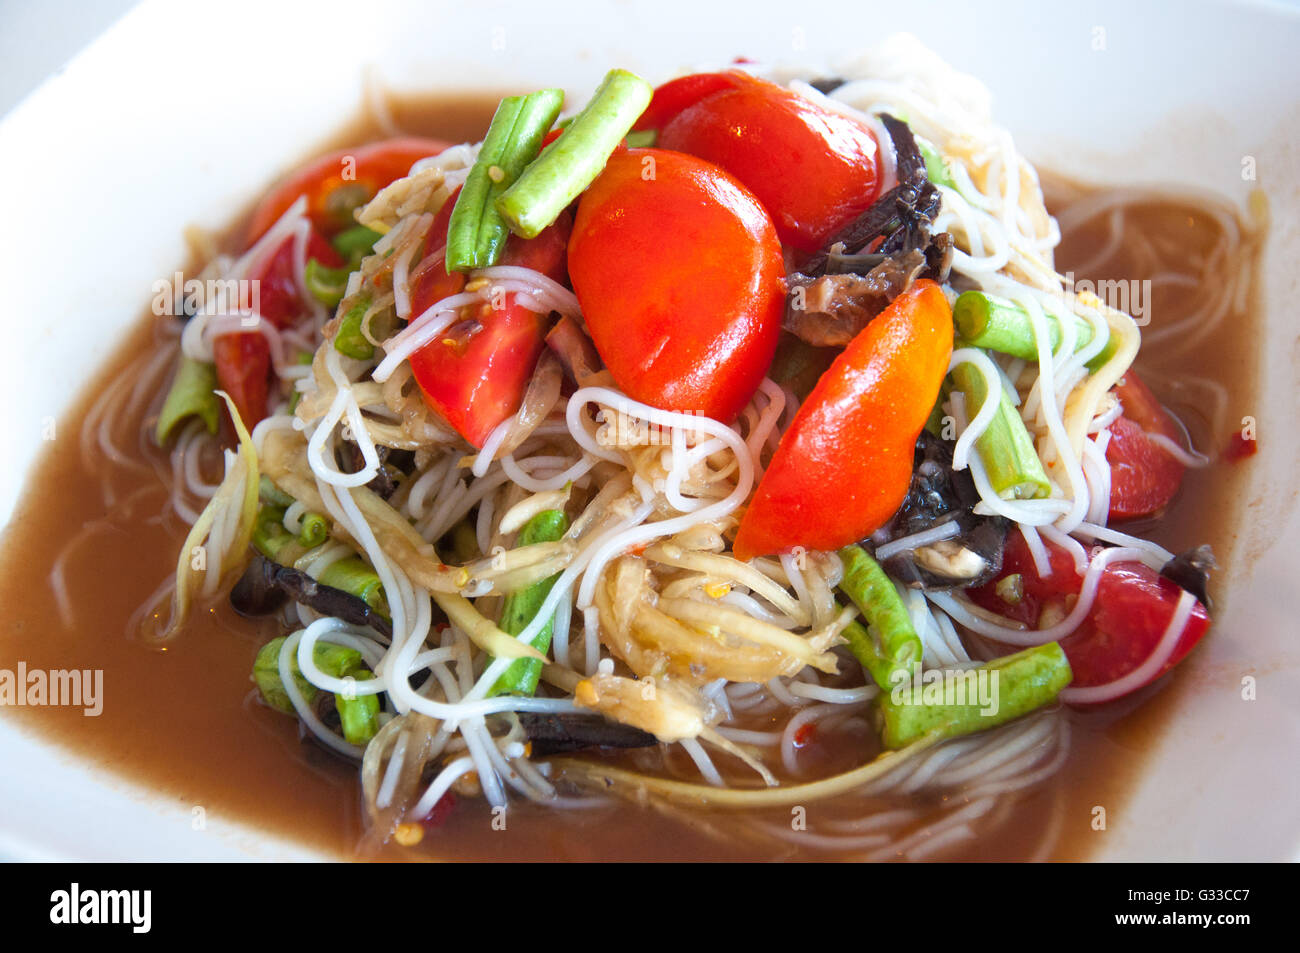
pixel 185 722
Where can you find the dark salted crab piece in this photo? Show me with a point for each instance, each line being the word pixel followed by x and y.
pixel 909 164
pixel 900 219
pixel 265 586
pixel 831 309
pixel 560 733
pixel 1191 570
pixel 827 84
pixel 327 710
pixel 876 258
pixel 394 466
pixel 939 495
pixel 937 266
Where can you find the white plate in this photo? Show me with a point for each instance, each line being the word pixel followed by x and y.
pixel 181 113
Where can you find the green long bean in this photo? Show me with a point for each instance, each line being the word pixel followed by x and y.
pixel 336 660
pixel 894 645
pixel 358 714
pixel 192 394
pixel 1007 451
pixel 313 531
pixel 522 606
pixel 326 284
pixel 349 340
pixel 477 233
pixel 962 702
pixel 987 321
pixel 355 243
pixel 936 166
pixel 355 576
pixel 271 539
pixel 573 161
pixel 351 574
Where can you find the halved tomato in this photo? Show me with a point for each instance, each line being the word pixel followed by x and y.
pixel 1144 476
pixel 475 375
pixel 337 183
pixel 813 169
pixel 679 273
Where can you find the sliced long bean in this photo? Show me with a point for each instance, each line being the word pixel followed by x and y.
pixel 326 284
pixel 355 577
pixel 192 394
pixel 873 592
pixel 358 714
pixel 355 243
pixel 936 166
pixel 476 233
pixel 520 608
pixel 349 339
pixel 351 574
pixel 1007 451
pixel 988 321
pixel 863 646
pixel 336 660
pixel 573 161
pixel 962 702
pixel 314 529
pixel 270 537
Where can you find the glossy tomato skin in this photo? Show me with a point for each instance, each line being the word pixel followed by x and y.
pixel 677 94
pixel 243 364
pixel 475 375
pixel 679 272
pixel 844 465
pixel 814 170
pixel 243 358
pixel 1144 476
pixel 435 283
pixel 1132 609
pixel 360 172
pixel 278 295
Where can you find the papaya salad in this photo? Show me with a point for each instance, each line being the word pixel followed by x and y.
pixel 615 455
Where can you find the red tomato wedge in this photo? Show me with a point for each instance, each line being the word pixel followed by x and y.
pixel 679 273
pixel 813 169
pixel 1144 476
pixel 475 375
pixel 1133 607
pixel 243 363
pixel 337 183
pixel 434 282
pixel 243 359
pixel 278 296
pixel 843 467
